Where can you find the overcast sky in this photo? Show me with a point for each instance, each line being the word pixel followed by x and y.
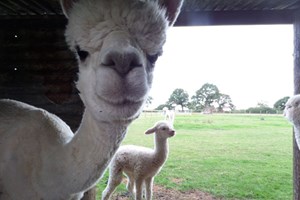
pixel 249 63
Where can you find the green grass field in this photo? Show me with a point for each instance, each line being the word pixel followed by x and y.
pixel 227 155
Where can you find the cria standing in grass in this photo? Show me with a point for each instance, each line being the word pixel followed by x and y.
pixel 140 164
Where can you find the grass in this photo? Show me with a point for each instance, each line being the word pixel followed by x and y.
pixel 229 156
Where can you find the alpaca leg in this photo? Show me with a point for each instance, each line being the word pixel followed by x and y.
pixel 148 185
pixel 130 185
pixel 115 178
pixel 138 189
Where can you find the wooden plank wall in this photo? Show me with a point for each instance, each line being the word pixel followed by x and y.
pixel 37 67
pixel 296 170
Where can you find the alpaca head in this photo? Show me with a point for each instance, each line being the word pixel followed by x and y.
pixel 163 129
pixel 292 110
pixel 117 43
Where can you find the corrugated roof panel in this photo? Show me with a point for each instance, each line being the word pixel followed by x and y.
pixel 30 7
pixel 52 7
pixel 237 5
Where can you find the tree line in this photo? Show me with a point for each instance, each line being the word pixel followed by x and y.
pixel 209 99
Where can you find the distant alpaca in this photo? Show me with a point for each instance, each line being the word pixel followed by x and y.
pixel 170 116
pixel 292 113
pixel 117 43
pixel 140 164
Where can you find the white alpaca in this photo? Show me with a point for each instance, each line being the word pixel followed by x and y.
pixel 292 113
pixel 140 164
pixel 170 116
pixel 117 43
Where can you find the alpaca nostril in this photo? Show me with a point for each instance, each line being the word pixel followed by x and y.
pixel 109 63
pixel 172 133
pixel 122 62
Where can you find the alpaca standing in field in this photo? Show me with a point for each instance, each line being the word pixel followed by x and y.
pixel 140 164
pixel 170 116
pixel 292 113
pixel 117 43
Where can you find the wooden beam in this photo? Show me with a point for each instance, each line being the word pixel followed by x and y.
pixel 202 18
pixel 296 91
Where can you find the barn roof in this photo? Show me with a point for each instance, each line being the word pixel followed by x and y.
pixel 195 12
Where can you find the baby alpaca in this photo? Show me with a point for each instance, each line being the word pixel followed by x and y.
pixel 292 114
pixel 140 164
pixel 170 116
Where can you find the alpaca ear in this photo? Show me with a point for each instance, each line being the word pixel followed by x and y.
pixel 151 130
pixel 66 6
pixel 173 9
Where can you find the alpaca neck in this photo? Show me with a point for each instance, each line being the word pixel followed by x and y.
pixel 161 149
pixel 90 150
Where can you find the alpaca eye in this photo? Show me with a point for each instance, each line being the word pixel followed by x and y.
pixel 153 58
pixel 164 128
pixel 81 53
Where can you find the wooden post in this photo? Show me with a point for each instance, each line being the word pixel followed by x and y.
pixel 296 91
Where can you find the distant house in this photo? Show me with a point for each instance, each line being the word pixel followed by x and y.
pixel 209 110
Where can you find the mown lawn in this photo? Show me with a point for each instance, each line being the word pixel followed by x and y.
pixel 227 155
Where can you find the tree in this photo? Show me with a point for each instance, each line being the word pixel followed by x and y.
pixel 148 101
pixel 162 106
pixel 179 97
pixel 224 101
pixel 205 97
pixel 280 104
pixel 261 108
